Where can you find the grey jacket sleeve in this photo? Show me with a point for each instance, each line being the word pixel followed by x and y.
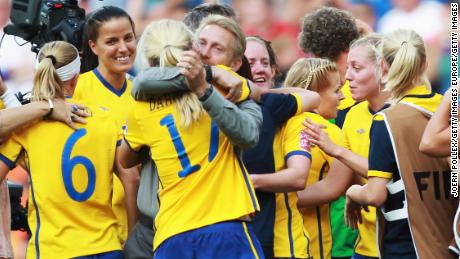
pixel 157 80
pixel 241 124
pixel 148 187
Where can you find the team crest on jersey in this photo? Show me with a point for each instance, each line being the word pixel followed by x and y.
pixel 304 141
pixel 360 131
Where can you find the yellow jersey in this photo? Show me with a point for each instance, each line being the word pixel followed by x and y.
pixel 92 88
pixel 316 219
pixel 348 100
pixel 290 237
pixel 69 210
pixel 356 138
pixel 202 179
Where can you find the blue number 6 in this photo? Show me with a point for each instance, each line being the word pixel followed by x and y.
pixel 68 164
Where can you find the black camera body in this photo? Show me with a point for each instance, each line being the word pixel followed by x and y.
pixel 18 213
pixel 42 21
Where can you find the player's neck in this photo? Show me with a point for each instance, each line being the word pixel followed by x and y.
pixel 377 102
pixel 116 80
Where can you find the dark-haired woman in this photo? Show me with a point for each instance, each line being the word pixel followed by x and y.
pixel 109 49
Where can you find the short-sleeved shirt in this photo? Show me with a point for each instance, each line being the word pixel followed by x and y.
pixel 93 89
pixel 343 237
pixel 356 130
pixel 291 238
pixel 397 240
pixel 276 110
pixel 202 179
pixel 316 219
pixel 345 104
pixel 69 206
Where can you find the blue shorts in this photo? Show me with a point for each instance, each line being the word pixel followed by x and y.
pixel 107 255
pixel 221 240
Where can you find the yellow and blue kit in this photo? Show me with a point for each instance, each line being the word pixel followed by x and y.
pixel 202 179
pixel 342 236
pixel 356 138
pixel 316 219
pixel 291 240
pixel 69 210
pixel 93 89
pixel 397 239
pixel 345 104
pixel 276 110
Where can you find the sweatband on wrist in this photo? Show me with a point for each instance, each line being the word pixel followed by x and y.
pixel 51 109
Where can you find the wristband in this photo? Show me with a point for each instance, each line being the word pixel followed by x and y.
pixel 51 109
pixel 206 94
pixel 208 71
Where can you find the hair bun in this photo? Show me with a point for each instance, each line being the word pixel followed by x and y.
pixel 53 59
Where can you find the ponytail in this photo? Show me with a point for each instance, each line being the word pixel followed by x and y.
pixel 162 44
pixel 404 52
pixel 58 62
pixel 47 84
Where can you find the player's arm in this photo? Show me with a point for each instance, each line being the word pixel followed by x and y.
pixel 292 178
pixel 374 193
pixel 11 153
pixel 164 80
pixel 241 124
pixel 295 151
pixel 307 100
pixel 15 117
pixel 436 137
pixel 328 189
pixel 382 162
pixel 126 156
pixel 129 178
pixel 319 137
pixel 4 169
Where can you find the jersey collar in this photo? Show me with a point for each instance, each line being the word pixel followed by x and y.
pixel 108 85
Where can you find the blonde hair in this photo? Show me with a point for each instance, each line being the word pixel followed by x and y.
pixel 162 44
pixel 310 73
pixel 404 53
pixel 53 55
pixel 239 46
pixel 373 46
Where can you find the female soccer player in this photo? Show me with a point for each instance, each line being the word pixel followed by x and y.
pixel 198 167
pixel 413 190
pixel 364 76
pixel 70 171
pixel 109 48
pixel 321 76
